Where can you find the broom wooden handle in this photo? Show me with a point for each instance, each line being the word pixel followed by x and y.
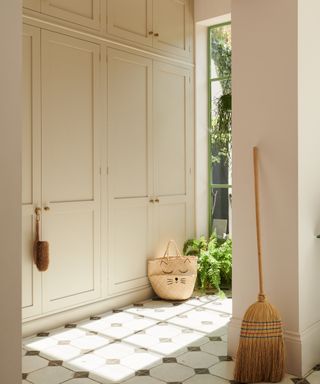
pixel 261 296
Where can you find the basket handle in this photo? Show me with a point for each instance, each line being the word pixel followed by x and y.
pixel 166 253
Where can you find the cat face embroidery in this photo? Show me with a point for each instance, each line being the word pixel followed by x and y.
pixel 176 272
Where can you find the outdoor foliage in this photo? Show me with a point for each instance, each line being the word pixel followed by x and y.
pixel 220 129
pixel 214 261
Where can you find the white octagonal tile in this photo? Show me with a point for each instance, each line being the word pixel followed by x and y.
pixel 217 348
pixel 141 360
pixel 50 375
pixel 81 381
pixel 172 372
pixel 32 363
pixel 115 351
pixel 197 359
pixel 111 373
pixel 61 352
pixel 314 378
pixel 206 379
pixel 143 380
pixel 223 369
pixel 86 362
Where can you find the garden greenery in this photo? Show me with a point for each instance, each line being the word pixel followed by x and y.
pixel 214 261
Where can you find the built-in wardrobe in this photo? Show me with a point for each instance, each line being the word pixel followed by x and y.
pixel 108 145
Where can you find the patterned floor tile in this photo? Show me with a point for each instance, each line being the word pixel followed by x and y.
pixel 50 375
pixel 224 369
pixel 206 379
pixel 217 348
pixel 220 305
pixel 85 362
pixel 143 380
pixel 32 363
pixel 114 373
pixel 197 359
pixel 80 381
pixel 172 372
pixel 314 378
pixel 160 310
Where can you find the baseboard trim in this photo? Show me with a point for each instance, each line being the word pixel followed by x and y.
pixel 68 316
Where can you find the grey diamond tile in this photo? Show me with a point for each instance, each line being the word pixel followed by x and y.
pixel 202 371
pixel 300 381
pixel 43 334
pixel 193 349
pixel 317 367
pixel 81 375
pixel 55 363
pixel 169 360
pixel 70 326
pixel 32 353
pixel 143 372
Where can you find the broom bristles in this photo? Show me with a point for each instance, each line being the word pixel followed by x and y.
pixel 260 356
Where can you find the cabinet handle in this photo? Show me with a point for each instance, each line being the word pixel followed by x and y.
pixel 156 34
pixel 157 200
pixel 37 211
pixel 150 32
pixel 151 201
pixel 46 208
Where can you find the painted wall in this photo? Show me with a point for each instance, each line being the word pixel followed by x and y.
pixel 264 43
pixel 208 9
pixel 10 190
pixel 309 181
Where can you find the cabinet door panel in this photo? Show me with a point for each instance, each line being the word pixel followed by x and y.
pixel 83 12
pixel 129 115
pixel 130 227
pixel 31 162
pixel 71 169
pixel 32 4
pixel 131 19
pixel 172 26
pixel 171 124
pixel 172 218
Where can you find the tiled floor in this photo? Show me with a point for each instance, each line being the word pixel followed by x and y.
pixel 153 342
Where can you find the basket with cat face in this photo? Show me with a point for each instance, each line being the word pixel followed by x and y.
pixel 173 277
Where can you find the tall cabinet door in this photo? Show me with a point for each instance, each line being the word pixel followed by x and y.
pixel 31 187
pixel 70 169
pixel 82 12
pixel 131 19
pixel 172 143
pixel 130 177
pixel 171 26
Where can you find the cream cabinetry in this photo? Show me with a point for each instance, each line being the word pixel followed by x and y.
pixel 163 24
pixel 107 145
pixel 31 168
pixel 82 12
pixel 149 163
pixel 70 168
pixel 61 169
pixel 32 4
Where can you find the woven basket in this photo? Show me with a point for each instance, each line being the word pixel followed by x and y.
pixel 173 277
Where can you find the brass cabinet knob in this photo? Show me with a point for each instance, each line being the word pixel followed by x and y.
pixel 37 211
pixel 157 200
pixel 150 32
pixel 151 201
pixel 156 34
pixel 46 208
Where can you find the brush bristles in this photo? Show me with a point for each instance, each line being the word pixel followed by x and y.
pixel 260 356
pixel 42 255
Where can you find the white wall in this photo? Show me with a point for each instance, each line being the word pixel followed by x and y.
pixel 208 9
pixel 10 190
pixel 309 181
pixel 265 114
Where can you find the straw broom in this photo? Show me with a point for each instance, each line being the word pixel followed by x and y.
pixel 260 356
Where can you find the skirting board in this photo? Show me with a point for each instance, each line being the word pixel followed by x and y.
pixel 302 348
pixel 56 320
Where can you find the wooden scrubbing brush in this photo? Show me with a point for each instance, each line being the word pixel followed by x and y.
pixel 41 248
